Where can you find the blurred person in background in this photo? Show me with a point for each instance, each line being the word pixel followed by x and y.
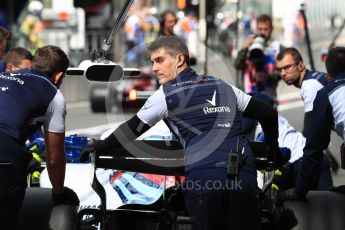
pixel 248 22
pixel 32 26
pixel 17 58
pixel 299 30
pixel 167 23
pixel 258 67
pixel 135 28
pixel 185 28
pixel 153 25
pixel 227 30
pixel 5 38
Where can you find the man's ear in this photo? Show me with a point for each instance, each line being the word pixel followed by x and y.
pixel 180 60
pixel 9 67
pixel 301 65
pixel 57 77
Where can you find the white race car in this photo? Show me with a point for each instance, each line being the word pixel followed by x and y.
pixel 141 200
pixel 122 188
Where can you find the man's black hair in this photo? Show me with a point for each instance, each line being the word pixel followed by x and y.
pixel 172 44
pixel 16 55
pixel 265 18
pixel 50 60
pixel 335 62
pixel 296 55
pixel 163 16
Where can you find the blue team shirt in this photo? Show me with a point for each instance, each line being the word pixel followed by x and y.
pixel 313 81
pixel 205 112
pixel 328 114
pixel 28 100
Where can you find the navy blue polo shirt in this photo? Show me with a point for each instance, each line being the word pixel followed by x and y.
pixel 27 100
pixel 206 114
pixel 328 114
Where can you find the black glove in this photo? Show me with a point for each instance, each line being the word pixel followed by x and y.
pixel 290 194
pixel 68 196
pixel 280 156
pixel 89 148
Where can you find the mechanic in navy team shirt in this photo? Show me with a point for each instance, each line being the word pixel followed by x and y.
pixel 28 99
pixel 205 113
pixel 290 66
pixel 290 138
pixel 328 113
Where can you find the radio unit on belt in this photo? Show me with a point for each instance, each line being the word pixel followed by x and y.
pixel 234 163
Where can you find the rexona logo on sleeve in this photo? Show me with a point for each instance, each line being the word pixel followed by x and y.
pixel 214 108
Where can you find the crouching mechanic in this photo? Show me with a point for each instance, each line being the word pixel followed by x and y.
pixel 328 114
pixel 290 138
pixel 28 99
pixel 290 66
pixel 205 112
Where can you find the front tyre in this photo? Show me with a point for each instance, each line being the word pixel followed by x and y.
pixel 40 212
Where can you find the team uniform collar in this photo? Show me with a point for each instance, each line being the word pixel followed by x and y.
pixel 340 76
pixel 185 74
pixel 307 72
pixel 38 73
